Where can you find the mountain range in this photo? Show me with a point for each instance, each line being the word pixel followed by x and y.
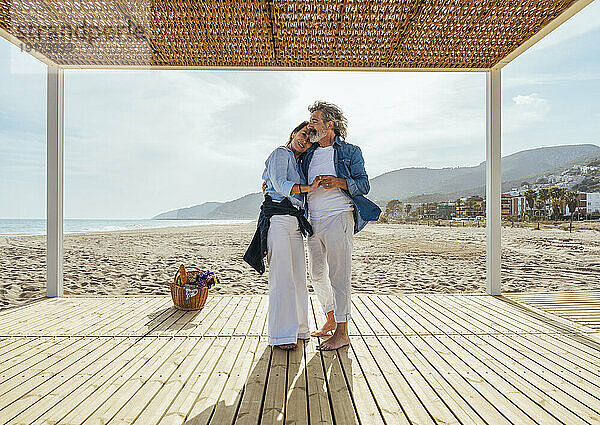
pixel 422 184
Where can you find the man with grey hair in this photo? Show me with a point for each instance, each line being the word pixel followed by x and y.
pixel 336 210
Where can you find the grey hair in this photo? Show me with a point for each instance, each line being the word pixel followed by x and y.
pixel 333 113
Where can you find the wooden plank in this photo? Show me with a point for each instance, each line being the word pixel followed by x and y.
pixel 91 317
pixel 468 310
pixel 160 403
pixel 390 318
pixel 229 402
pixel 560 377
pixel 375 401
pixel 576 367
pixel 147 384
pixel 243 326
pixel 524 398
pixel 24 366
pixel 296 411
pixel 250 409
pixel 72 395
pixel 395 305
pixel 13 399
pixel 22 350
pixel 140 321
pixel 474 374
pixel 541 398
pixel 361 326
pixel 215 327
pixel 30 306
pixel 429 319
pixel 428 385
pixel 312 323
pixel 341 397
pixel 205 318
pixel 122 390
pixel 273 411
pixel 421 403
pixel 463 383
pixel 515 317
pixel 35 313
pixel 258 324
pixel 234 319
pixel 540 391
pixel 179 411
pixel 44 323
pixel 318 400
pixel 42 397
pixel 96 405
pixel 434 365
pixel 574 342
pixel 204 406
pixel 563 357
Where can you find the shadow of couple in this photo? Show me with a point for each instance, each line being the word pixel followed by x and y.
pixel 268 385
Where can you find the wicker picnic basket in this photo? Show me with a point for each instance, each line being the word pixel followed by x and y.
pixel 188 290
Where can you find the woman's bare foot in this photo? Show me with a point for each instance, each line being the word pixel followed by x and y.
pixel 329 326
pixel 287 347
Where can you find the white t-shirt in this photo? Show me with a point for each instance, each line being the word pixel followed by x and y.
pixel 325 202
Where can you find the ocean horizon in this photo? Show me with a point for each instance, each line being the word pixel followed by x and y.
pixel 35 226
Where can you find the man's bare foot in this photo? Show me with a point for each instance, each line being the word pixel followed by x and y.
pixel 287 347
pixel 329 326
pixel 335 342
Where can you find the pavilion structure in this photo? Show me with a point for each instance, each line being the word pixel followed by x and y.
pixel 413 359
pixel 370 35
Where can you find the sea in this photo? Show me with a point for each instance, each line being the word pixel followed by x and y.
pixel 35 226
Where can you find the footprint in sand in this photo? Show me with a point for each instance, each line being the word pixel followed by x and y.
pixel 230 270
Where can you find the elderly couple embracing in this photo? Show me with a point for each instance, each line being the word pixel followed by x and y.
pixel 314 186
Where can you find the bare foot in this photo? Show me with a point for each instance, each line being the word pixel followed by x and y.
pixel 329 326
pixel 335 342
pixel 287 347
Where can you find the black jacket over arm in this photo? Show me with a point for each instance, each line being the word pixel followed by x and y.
pixel 257 250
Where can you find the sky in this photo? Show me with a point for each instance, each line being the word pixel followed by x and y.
pixel 138 143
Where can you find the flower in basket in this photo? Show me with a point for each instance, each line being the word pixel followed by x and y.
pixel 207 278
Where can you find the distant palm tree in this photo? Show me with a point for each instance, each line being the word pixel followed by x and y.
pixel 530 197
pixel 544 195
pixel 572 200
pixel 557 195
pixel 539 205
pixel 407 208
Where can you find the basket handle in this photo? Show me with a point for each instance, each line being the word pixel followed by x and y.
pixel 177 273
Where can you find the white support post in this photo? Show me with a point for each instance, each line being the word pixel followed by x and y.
pixel 493 187
pixel 54 183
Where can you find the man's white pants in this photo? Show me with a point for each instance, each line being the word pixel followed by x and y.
pixel 288 295
pixel 330 262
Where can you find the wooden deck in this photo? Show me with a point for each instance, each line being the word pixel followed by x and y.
pixel 578 306
pixel 451 359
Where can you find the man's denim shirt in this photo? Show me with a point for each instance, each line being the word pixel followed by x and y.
pixel 349 165
pixel 282 172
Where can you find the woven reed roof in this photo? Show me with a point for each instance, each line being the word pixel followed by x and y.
pixel 446 34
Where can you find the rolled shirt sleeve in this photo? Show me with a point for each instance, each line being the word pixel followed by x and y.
pixel 277 171
pixel 358 182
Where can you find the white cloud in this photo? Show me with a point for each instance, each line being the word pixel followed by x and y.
pixel 525 111
pixel 532 99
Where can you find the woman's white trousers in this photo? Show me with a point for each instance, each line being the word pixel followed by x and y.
pixel 288 295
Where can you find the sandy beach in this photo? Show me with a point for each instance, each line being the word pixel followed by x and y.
pixel 387 259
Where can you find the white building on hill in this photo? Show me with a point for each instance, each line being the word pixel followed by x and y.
pixel 592 202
